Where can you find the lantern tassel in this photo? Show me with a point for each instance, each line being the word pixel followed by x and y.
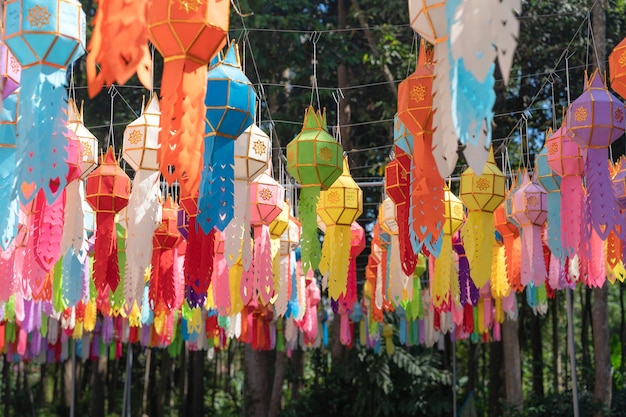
pixel 49 231
pixel 572 195
pixel 282 297
pixel 499 285
pixel 444 273
pixel 263 264
pixel 340 260
pixel 478 236
pixel 198 264
pixel 144 216
pixel 533 262
pixel 553 239
pixel 217 189
pixel 106 269
pixel 310 246
pixel 234 232
pixel 602 207
pixel 41 150
pixel 182 112
pixel 8 278
pixel 468 292
pixel 72 278
pixel 8 207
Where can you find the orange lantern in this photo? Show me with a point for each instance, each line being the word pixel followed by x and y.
pixel 188 34
pixel 163 286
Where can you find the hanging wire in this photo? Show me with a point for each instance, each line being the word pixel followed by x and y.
pixel 111 141
pixel 414 48
pixel 338 96
pixel 551 81
pixel 72 87
pixel 315 37
pixel 152 71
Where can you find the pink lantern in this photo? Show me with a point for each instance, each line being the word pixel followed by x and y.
pixel 566 159
pixel 530 209
pixel 267 198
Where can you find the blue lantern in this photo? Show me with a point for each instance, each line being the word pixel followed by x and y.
pixel 230 103
pixel 45 36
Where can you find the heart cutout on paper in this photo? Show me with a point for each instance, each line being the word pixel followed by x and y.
pixel 28 188
pixel 54 185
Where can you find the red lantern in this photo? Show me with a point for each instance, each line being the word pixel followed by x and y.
pixel 163 285
pixel 108 190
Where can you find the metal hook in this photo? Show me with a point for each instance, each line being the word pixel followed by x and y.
pixel 232 2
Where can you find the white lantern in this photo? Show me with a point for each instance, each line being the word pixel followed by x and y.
pixel 252 152
pixel 141 138
pixel 87 140
pixel 387 216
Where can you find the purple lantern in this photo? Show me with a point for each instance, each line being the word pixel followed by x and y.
pixel 594 121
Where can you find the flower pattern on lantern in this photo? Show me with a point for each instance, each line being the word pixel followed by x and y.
pixel 314 159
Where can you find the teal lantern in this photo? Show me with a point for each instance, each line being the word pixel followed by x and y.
pixel 230 107
pixel 45 36
pixel 315 160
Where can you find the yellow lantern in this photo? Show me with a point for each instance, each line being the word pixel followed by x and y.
pixel 88 141
pixel 338 208
pixel 444 285
pixel 387 217
pixel 481 194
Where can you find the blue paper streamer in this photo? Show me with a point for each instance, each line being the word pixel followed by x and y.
pixel 72 278
pixel 8 205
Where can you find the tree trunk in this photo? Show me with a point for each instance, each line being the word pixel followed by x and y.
pixel 195 407
pixel 7 387
pixel 495 379
pixel 257 382
pixel 600 314
pixel 472 368
pixel 97 387
pixel 297 376
pixel 146 383
pixel 622 328
pixel 112 385
pixel 556 353
pixel 277 385
pixel 513 368
pixel 537 352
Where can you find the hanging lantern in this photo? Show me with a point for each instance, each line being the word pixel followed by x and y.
pixel 230 107
pixel 46 38
pixel 530 211
pixel 428 19
pixel 144 208
pixel 402 138
pixel 415 96
pixel 617 68
pixel 252 155
pixel 338 207
pixel 108 190
pixel 88 141
pixel 551 182
pixel 398 187
pixel 267 198
pixel 10 70
pixel 444 285
pixel 481 194
pixel 188 35
pixel 510 237
pixel 314 159
pixel 119 53
pixel 615 246
pixel 594 121
pixel 565 158
pixel 164 287
pixel 289 240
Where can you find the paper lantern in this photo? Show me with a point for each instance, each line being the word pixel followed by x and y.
pixel 10 71
pixel 619 181
pixel 119 45
pixel 108 190
pixel 188 35
pixel 415 96
pixel 402 138
pixel 551 182
pixel 163 283
pixel 289 240
pixel 398 187
pixel 444 284
pixel 88 141
pixel 428 19
pixel 617 68
pixel 267 198
pixel 45 37
pixel 141 138
pixel 252 150
pixel 280 224
pixel 314 159
pixel 230 107
pixel 338 207
pixel 510 237
pixel 481 194
pixel 594 121
pixel 530 211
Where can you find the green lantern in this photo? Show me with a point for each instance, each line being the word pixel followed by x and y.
pixel 315 160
